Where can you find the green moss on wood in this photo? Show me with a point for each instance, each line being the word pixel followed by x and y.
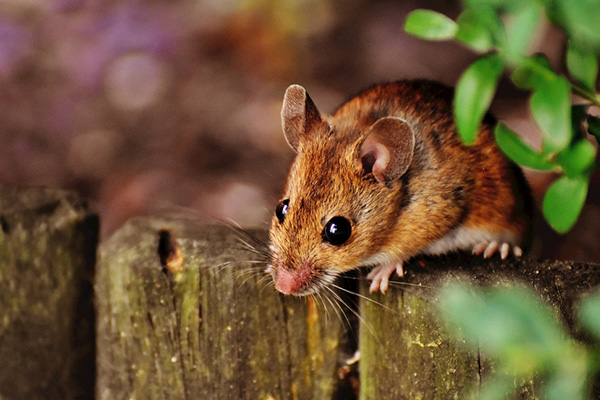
pixel 207 330
pixel 47 251
pixel 406 353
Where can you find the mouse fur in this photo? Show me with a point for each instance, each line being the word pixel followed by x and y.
pixel 391 163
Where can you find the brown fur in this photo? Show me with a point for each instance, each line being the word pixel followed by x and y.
pixel 447 184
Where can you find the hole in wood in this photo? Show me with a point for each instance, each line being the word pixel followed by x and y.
pixel 171 257
pixel 4 225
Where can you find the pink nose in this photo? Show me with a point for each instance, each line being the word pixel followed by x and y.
pixel 286 282
pixel 289 282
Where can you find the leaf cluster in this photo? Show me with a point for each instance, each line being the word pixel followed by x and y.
pixel 523 338
pixel 502 30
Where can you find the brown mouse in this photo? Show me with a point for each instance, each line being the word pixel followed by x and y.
pixel 385 178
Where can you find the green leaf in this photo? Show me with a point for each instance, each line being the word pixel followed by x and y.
pixel 582 63
pixel 474 92
pixel 579 18
pixel 520 30
pixel 533 72
pixel 551 109
pixel 569 383
pixel 563 202
pixel 525 331
pixel 480 29
pixel 455 298
pixel 594 126
pixel 504 5
pixel 495 387
pixel 512 145
pixel 589 313
pixel 577 159
pixel 510 324
pixel 431 25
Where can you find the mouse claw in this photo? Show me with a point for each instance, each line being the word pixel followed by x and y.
pixel 381 274
pixel 479 249
pixel 517 251
pixel 354 359
pixel 380 277
pixel 400 269
pixel 489 249
pixel 504 250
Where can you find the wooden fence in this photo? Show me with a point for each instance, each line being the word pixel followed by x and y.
pixel 208 325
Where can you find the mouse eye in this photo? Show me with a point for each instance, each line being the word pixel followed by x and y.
pixel 282 209
pixel 337 231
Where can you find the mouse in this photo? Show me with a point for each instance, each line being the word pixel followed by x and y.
pixel 385 178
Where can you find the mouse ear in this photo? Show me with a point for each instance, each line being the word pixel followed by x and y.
pixel 299 116
pixel 387 149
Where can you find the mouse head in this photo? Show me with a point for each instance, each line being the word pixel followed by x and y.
pixel 342 195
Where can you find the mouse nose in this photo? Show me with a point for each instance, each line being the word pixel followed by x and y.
pixel 290 281
pixel 285 282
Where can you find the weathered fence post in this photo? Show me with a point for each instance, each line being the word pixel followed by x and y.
pixel 405 352
pixel 183 312
pixel 203 329
pixel 48 243
pixel 198 327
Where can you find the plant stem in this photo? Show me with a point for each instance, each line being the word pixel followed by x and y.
pixel 592 97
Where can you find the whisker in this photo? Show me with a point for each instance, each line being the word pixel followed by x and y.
pixel 244 272
pixel 248 247
pixel 399 283
pixel 355 313
pixel 329 304
pixel 243 233
pixel 221 266
pixel 365 298
pixel 392 282
pixel 264 277
pixel 250 275
pixel 269 283
pixel 325 307
pixel 249 264
pixel 248 241
pixel 318 300
pixel 338 309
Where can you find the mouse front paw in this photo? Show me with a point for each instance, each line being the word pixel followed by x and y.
pixel 489 249
pixel 381 274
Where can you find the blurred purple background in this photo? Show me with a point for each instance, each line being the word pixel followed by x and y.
pixel 173 106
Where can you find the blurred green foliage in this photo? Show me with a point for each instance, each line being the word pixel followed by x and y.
pixel 524 339
pixel 503 30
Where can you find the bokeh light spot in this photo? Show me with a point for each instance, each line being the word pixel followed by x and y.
pixel 136 81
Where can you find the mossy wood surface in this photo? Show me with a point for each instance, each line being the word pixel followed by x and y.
pixel 212 327
pixel 216 331
pixel 48 241
pixel 210 330
pixel 405 352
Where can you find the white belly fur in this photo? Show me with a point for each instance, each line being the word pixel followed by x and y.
pixel 462 238
pixel 457 239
